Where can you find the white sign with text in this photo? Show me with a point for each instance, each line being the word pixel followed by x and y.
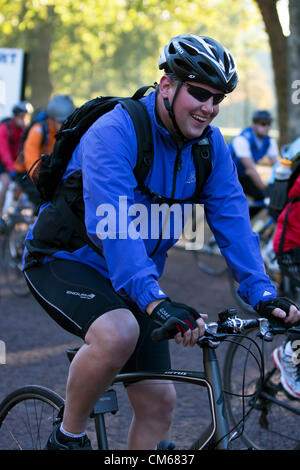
pixel 11 79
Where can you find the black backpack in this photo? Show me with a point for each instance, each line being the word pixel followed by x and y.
pixel 50 168
pixel 279 190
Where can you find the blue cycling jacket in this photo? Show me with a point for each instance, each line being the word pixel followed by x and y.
pixel 124 224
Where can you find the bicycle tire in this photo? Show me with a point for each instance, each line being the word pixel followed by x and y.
pixel 27 416
pixel 234 292
pixel 13 247
pixel 212 264
pixel 269 426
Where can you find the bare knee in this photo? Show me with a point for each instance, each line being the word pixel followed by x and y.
pixel 113 335
pixel 153 402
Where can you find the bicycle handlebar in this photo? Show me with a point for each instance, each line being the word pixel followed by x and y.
pixel 230 324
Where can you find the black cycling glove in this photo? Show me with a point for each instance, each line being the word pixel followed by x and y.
pixel 174 318
pixel 266 308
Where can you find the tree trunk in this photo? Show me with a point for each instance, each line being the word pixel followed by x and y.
pixel 294 71
pixel 39 47
pixel 279 48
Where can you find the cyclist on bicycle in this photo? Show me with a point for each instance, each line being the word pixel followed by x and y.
pixel 40 140
pixel 287 247
pixel 247 149
pixel 11 132
pixel 113 300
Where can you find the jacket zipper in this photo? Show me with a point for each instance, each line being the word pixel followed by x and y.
pixel 177 167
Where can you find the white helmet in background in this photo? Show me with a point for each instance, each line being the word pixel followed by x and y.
pixel 60 107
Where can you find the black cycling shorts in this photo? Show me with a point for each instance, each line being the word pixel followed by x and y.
pixel 74 295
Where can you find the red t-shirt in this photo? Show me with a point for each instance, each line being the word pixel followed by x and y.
pixel 10 140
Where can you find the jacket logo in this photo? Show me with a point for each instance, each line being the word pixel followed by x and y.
pixel 191 178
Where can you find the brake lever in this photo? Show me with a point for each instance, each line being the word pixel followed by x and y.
pixel 211 336
pixel 265 330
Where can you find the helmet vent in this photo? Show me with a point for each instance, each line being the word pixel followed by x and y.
pixel 172 49
pixel 226 63
pixel 186 68
pixel 207 69
pixel 214 51
pixel 190 50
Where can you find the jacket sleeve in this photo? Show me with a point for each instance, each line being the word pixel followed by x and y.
pixel 109 152
pixel 227 213
pixel 5 150
pixel 295 189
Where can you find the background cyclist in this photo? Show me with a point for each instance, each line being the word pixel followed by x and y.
pixel 247 149
pixel 40 140
pixel 287 356
pixel 11 132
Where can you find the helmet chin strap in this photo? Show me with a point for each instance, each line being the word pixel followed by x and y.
pixel 170 109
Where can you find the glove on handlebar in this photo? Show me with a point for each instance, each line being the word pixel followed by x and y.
pixel 266 308
pixel 175 317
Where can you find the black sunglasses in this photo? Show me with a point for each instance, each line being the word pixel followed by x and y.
pixel 263 123
pixel 202 95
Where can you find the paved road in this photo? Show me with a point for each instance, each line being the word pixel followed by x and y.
pixel 35 345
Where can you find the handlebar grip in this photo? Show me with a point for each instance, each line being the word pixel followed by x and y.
pixel 277 323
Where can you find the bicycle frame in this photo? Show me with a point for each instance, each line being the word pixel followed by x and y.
pixel 216 436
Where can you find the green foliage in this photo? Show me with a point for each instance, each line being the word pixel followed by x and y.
pixel 112 46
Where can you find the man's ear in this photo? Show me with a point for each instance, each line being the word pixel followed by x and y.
pixel 165 85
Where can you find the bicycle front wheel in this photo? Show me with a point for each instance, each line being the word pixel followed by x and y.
pixel 271 415
pixel 13 248
pixel 210 262
pixel 234 292
pixel 26 418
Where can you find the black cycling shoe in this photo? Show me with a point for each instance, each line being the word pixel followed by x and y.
pixel 166 445
pixel 53 444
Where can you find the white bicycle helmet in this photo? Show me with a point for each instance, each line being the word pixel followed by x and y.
pixel 24 107
pixel 60 107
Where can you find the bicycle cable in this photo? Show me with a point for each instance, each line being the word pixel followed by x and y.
pixel 243 396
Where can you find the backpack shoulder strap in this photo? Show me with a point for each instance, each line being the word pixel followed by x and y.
pixel 203 164
pixel 142 125
pixel 45 130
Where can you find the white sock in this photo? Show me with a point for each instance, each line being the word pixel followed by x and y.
pixel 69 434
